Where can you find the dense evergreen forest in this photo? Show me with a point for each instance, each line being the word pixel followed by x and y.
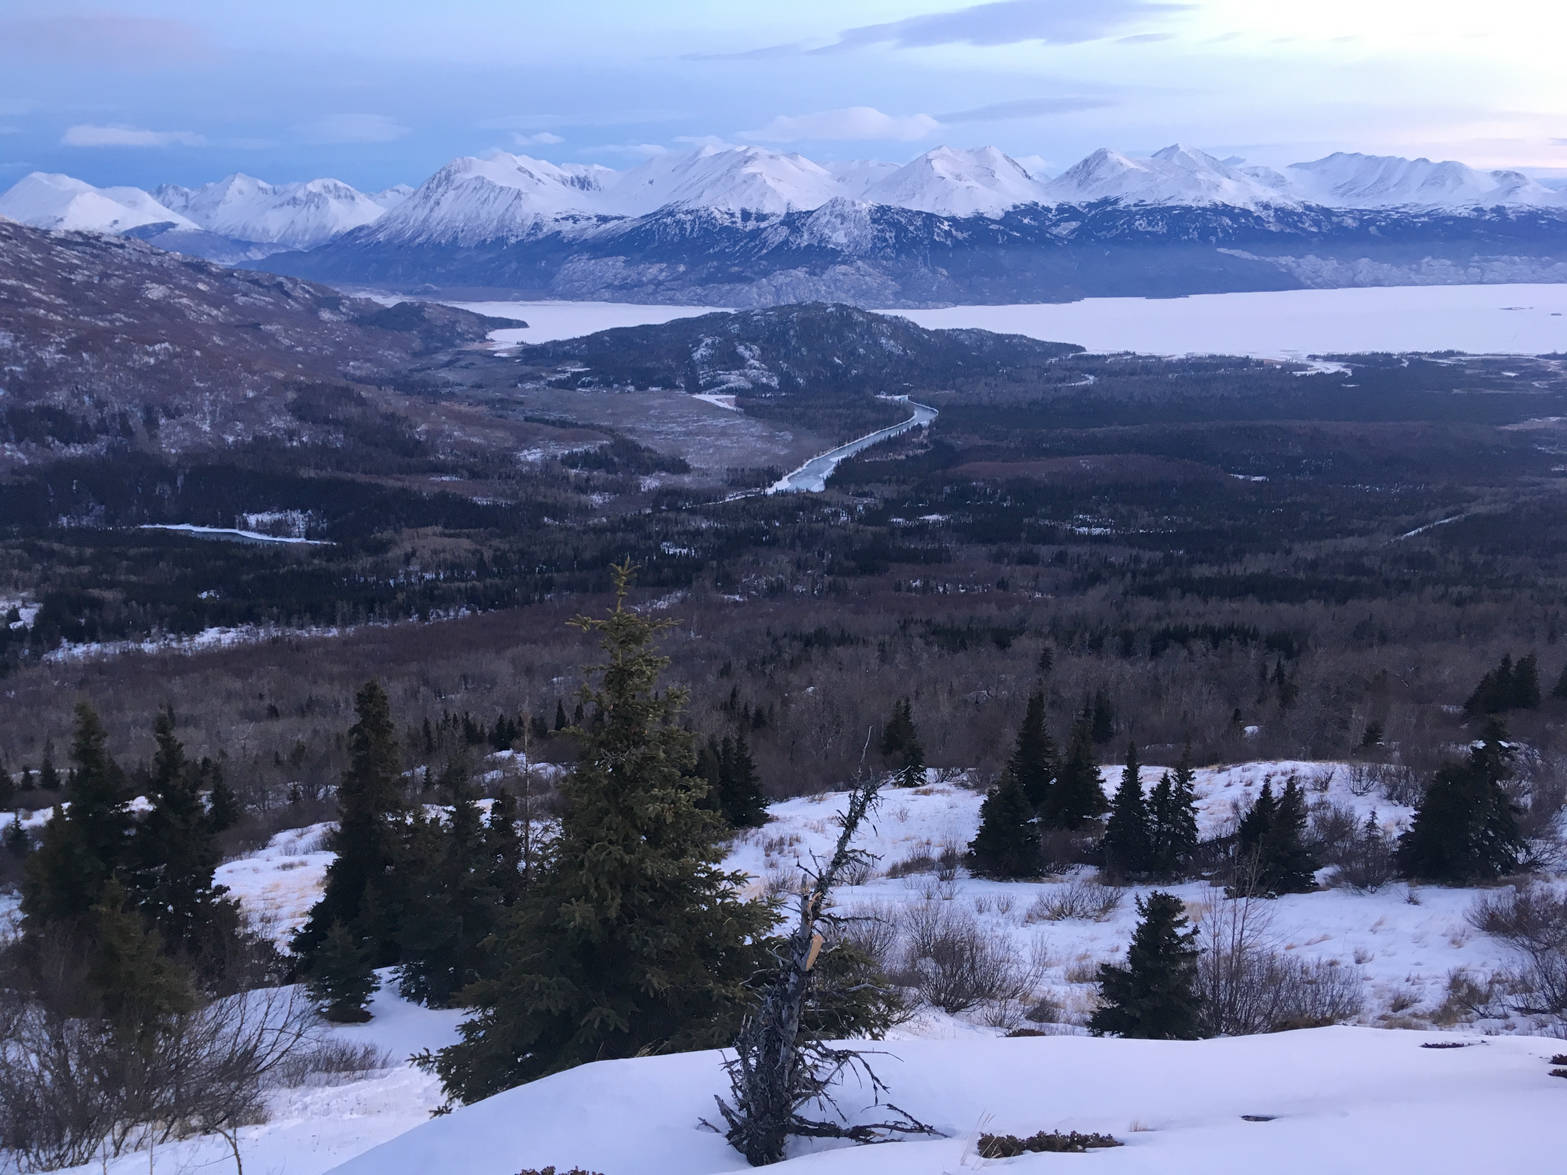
pixel 1263 560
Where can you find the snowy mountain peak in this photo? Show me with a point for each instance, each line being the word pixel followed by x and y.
pixel 730 179
pixel 498 196
pixel 951 182
pixel 1369 181
pixel 53 201
pixel 297 215
pixel 1175 175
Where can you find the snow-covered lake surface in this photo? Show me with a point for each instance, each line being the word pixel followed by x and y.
pixel 1289 324
pixel 548 321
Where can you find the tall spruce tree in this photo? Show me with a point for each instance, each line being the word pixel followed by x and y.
pixel 1466 827
pixel 1033 761
pixel 131 982
pixel 1526 683
pixel 634 940
pixel 86 844
pixel 1172 817
pixel 1127 844
pixel 1290 863
pixel 507 851
pixel 360 888
pixel 342 975
pixel 740 799
pixel 175 856
pixel 1272 856
pixel 223 806
pixel 1154 995
pixel 901 747
pixel 1007 843
pixel 1078 793
pixel 452 905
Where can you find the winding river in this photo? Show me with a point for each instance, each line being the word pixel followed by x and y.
pixel 811 478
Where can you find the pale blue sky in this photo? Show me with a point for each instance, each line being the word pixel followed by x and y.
pixel 381 91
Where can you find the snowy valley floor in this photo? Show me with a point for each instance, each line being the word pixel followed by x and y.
pixel 1344 1099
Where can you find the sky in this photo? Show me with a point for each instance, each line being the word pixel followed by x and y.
pixel 377 92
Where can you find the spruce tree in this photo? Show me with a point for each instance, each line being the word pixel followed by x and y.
pixel 1127 844
pixel 740 799
pixel 452 905
pixel 507 854
pixel 560 715
pixel 17 842
pixel 223 807
pixel 131 982
pixel 86 844
pixel 1078 793
pixel 1172 817
pixel 359 891
pixel 1154 995
pixel 1290 864
pixel 1559 690
pixel 48 774
pixel 1270 846
pixel 1525 693
pixel 634 940
pixel 901 746
pixel 1033 761
pixel 1007 843
pixel 1466 827
pixel 342 975
pixel 175 855
pixel 1251 840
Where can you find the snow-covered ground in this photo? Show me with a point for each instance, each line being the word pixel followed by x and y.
pixel 1291 324
pixel 1336 1101
pixel 1348 1099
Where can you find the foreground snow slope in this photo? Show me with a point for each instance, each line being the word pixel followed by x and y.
pixel 1342 1100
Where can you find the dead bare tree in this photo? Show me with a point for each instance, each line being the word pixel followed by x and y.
pixel 778 1071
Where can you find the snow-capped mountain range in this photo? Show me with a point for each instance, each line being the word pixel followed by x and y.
pixel 748 226
pixel 238 208
pixel 501 196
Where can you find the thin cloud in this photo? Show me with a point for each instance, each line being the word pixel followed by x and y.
pixel 1026 108
pixel 849 123
pixel 1143 38
pixel 636 150
pixel 1008 22
pixel 354 128
pixel 105 39
pixel 537 139
pixel 88 135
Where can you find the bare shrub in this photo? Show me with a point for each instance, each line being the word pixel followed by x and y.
pixel 329 1061
pixel 918 861
pixel 1082 898
pixel 1399 783
pixel 1248 987
pixel 1532 920
pixel 954 964
pixel 72 1089
pixel 1062 849
pixel 1363 854
pixel 859 871
pixel 948 860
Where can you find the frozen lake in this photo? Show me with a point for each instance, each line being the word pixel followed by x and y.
pixel 1498 319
